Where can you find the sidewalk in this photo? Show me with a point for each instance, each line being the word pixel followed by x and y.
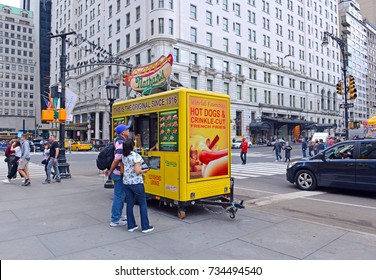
pixel 71 221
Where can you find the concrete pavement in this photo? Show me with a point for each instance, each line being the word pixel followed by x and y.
pixel 70 220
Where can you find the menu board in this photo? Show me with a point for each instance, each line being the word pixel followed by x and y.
pixel 168 131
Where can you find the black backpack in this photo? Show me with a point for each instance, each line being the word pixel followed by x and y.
pixel 106 157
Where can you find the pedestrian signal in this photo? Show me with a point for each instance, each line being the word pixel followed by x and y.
pixel 352 88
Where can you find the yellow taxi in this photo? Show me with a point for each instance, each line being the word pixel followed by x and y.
pixel 78 146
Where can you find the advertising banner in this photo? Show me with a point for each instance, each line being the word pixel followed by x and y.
pixel 208 127
pixel 168 131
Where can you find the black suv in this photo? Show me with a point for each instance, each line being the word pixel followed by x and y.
pixel 350 164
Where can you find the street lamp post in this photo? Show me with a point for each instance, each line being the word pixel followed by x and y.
pixel 62 163
pixel 343 47
pixel 112 91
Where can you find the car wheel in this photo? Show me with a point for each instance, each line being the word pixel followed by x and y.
pixel 305 180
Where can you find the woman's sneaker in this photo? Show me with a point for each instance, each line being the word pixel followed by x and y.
pixel 133 229
pixel 151 228
pixel 6 181
pixel 118 223
pixel 27 183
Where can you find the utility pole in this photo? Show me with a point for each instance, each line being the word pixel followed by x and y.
pixel 62 163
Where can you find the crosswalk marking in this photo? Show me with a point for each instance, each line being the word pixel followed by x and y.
pixel 36 170
pixel 253 170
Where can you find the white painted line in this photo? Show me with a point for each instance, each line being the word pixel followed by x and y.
pixel 343 203
pixel 281 197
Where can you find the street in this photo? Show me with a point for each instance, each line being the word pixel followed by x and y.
pixel 261 183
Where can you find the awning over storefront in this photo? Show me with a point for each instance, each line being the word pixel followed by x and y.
pixel 284 121
pixel 319 127
pixel 260 126
pixel 72 126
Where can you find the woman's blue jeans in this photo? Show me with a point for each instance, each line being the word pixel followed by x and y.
pixel 136 192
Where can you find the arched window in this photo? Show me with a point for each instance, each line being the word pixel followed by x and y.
pixel 329 101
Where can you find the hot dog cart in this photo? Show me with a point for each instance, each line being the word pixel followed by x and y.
pixel 184 137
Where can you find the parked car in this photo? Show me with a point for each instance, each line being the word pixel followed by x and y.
pixel 99 144
pixel 349 164
pixel 272 143
pixel 236 142
pixel 78 146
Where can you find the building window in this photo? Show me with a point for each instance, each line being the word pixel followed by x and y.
pixel 209 39
pixel 161 25
pixel 209 62
pixel 239 92
pixel 138 59
pixel 209 85
pixel 194 58
pixel 225 24
pixel 152 27
pixel 161 4
pixel 253 95
pixel 138 13
pixel 238 48
pixel 225 44
pixel 176 55
pixel 138 35
pixel 194 82
pixel 209 18
pixel 193 35
pixel 226 88
pixel 193 12
pixel 226 66
pixel 171 27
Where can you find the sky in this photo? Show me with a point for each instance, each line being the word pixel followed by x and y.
pixel 13 3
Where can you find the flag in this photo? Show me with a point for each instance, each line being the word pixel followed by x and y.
pixel 48 105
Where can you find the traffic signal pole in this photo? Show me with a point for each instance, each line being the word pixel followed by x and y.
pixel 342 45
pixel 62 163
pixel 344 69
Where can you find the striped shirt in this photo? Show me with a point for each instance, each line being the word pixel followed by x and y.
pixel 118 152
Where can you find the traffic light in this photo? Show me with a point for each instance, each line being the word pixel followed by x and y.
pixel 339 88
pixel 124 79
pixel 47 115
pixel 352 88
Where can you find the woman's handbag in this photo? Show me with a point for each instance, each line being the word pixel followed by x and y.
pixel 44 161
pixel 6 159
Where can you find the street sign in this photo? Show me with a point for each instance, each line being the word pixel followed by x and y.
pixel 346 105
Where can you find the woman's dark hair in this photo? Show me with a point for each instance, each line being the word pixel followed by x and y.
pixel 127 147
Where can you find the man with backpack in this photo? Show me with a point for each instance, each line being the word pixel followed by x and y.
pixel 119 187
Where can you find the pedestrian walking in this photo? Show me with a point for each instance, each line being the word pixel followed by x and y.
pixel 311 145
pixel 52 161
pixel 243 151
pixel 46 154
pixel 287 149
pixel 122 131
pixel 277 149
pixel 12 173
pixel 320 146
pixel 10 157
pixel 134 187
pixel 23 163
pixel 304 147
pixel 70 146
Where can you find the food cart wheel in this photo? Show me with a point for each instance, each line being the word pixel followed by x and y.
pixel 181 213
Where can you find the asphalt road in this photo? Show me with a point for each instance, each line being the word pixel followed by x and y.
pixel 262 184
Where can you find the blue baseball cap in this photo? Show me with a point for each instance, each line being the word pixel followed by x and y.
pixel 121 127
